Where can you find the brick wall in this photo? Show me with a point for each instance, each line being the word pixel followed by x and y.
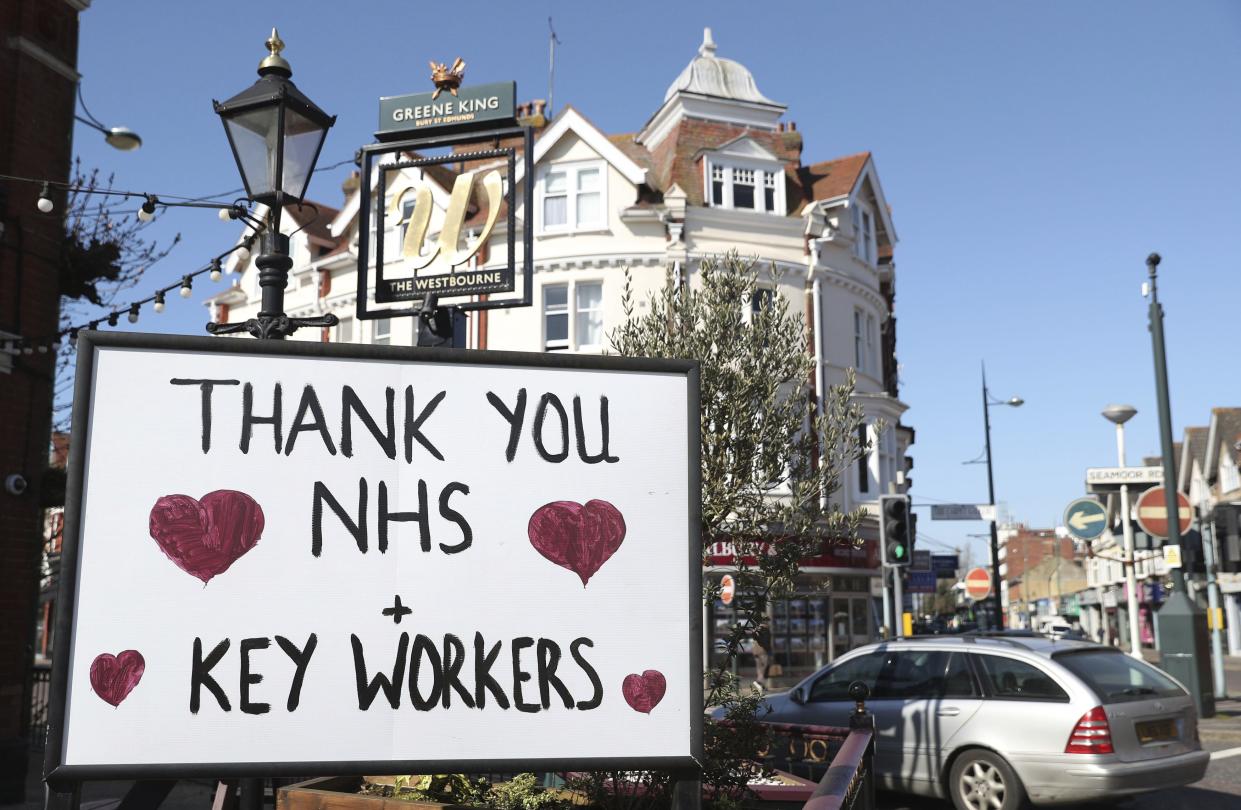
pixel 36 121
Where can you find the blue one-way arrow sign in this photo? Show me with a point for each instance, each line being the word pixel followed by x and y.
pixel 1085 518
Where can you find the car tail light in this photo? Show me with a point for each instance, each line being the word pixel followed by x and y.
pixel 1091 735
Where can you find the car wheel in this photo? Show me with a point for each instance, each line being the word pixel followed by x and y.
pixel 981 780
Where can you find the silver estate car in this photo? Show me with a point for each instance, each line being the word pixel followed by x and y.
pixel 989 721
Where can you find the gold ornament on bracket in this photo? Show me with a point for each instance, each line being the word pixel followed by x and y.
pixel 447 78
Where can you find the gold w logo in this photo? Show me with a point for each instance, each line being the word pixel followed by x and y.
pixel 444 255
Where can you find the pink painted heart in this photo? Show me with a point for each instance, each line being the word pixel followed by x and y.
pixel 576 536
pixel 205 537
pixel 643 692
pixel 113 677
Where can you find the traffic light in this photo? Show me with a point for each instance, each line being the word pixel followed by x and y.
pixel 1227 519
pixel 895 528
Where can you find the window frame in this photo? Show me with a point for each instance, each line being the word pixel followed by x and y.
pixel 384 338
pixel 760 171
pixel 571 311
pixel 572 170
pixel 865 246
pixel 988 693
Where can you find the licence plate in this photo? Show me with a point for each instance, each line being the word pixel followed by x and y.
pixel 1156 731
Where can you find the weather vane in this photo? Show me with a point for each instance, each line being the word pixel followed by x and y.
pixel 447 78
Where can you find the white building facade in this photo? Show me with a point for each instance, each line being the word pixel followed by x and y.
pixel 714 169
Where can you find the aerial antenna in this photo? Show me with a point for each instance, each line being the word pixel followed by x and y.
pixel 552 42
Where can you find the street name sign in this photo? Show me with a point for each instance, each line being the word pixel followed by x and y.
pixel 305 558
pixel 1152 512
pixel 978 584
pixel 945 565
pixel 1110 479
pixel 1085 518
pixel 962 511
pixel 921 581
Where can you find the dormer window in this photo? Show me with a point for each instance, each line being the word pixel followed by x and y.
pixel 743 187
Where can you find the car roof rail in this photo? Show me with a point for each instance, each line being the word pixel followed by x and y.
pixel 1011 639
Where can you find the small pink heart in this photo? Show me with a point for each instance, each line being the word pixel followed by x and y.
pixel 575 536
pixel 643 692
pixel 205 537
pixel 113 677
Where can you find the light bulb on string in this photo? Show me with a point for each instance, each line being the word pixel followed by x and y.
pixel 45 203
pixel 113 317
pixel 133 314
pixel 243 253
pixel 159 302
pixel 147 212
pixel 186 287
pixel 215 270
pixel 42 348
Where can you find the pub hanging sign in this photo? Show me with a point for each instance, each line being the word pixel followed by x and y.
pixel 439 218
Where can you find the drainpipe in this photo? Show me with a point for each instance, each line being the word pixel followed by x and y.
pixel 817 302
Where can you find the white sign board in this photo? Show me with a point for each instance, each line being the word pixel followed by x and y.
pixel 962 511
pixel 1105 479
pixel 304 558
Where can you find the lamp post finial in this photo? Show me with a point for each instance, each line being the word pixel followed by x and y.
pixel 274 62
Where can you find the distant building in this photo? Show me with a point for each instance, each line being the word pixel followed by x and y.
pixel 1022 549
pixel 715 168
pixel 1208 474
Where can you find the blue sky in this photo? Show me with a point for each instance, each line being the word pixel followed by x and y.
pixel 1033 154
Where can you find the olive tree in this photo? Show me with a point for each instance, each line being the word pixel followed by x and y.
pixel 771 458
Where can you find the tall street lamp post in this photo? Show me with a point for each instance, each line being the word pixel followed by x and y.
pixel 1182 625
pixel 1118 415
pixel 987 402
pixel 276 133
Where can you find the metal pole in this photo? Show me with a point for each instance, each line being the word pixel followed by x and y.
pixel 1135 640
pixel 883 578
pixel 995 539
pixel 1217 631
pixel 899 603
pixel 1165 419
pixel 1182 626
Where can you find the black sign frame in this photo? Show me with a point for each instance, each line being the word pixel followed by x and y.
pixel 367 232
pixel 64 777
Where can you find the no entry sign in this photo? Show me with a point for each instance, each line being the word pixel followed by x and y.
pixel 1152 512
pixel 309 558
pixel 978 584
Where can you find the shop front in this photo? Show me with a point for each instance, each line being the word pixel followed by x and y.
pixel 831 612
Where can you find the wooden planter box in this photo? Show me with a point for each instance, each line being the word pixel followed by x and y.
pixel 342 793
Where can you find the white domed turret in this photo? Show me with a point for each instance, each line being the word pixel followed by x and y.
pixel 710 75
pixel 712 88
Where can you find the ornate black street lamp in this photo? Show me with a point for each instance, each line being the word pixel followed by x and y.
pixel 276 133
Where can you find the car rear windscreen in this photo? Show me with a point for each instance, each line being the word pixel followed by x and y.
pixel 1118 678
